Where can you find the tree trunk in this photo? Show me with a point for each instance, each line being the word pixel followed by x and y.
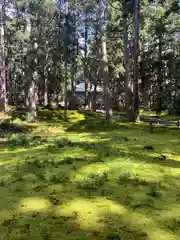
pixel 128 93
pixel 144 86
pixel 32 98
pixel 66 65
pixel 65 92
pixel 45 91
pixel 94 94
pixel 136 60
pixel 159 77
pixel 3 100
pixel 86 82
pixel 104 60
pixel 73 86
pixel 74 62
pixel 95 72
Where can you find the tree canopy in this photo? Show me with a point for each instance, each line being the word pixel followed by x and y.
pixel 131 48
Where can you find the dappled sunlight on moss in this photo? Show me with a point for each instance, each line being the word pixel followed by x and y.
pixel 146 171
pixel 15 157
pixel 85 171
pixel 99 213
pixel 176 157
pixel 172 211
pixel 21 149
pixel 90 214
pixel 160 234
pixel 34 204
pixel 172 173
pixel 73 153
pixel 105 179
pixel 8 162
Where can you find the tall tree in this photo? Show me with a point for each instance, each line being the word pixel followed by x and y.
pixel 127 82
pixel 136 59
pixel 3 99
pixel 104 58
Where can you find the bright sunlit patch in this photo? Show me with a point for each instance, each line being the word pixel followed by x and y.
pixel 172 212
pixel 90 214
pixel 76 152
pixel 6 162
pixel 146 171
pixel 96 168
pixel 160 234
pixel 34 204
pixel 176 157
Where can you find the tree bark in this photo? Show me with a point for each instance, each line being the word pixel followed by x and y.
pixel 128 92
pixel 45 87
pixel 31 98
pixel 159 77
pixel 86 82
pixel 66 67
pixel 3 100
pixel 144 87
pixel 136 59
pixel 104 60
pixel 65 92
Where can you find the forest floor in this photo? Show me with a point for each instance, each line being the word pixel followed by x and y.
pixel 88 180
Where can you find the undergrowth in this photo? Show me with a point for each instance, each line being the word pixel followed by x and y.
pixel 22 140
pixel 89 181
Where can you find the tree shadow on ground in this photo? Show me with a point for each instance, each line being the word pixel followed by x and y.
pixel 96 207
pixel 6 126
pixel 71 190
pixel 104 149
pixel 52 226
pixel 95 122
pixel 50 116
pixel 43 115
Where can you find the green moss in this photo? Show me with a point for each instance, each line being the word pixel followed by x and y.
pixel 94 181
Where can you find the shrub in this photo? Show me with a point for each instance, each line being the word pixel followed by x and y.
pixel 94 181
pixel 25 141
pixel 18 140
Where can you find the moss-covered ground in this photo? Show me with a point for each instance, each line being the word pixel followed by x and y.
pixel 86 179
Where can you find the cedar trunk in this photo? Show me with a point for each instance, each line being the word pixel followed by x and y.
pixel 104 61
pixel 136 59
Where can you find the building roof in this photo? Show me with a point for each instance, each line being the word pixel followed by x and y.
pixel 81 88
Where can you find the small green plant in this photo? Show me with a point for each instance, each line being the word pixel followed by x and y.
pixel 18 140
pixel 38 140
pixel 173 224
pixel 94 181
pixel 154 190
pixel 25 141
pixel 142 202
pixel 140 181
pixel 124 177
pixel 38 162
pixel 68 160
pixel 113 236
pixel 60 143
pixel 9 221
pixel 50 175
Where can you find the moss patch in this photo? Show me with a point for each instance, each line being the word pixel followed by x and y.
pixel 86 179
